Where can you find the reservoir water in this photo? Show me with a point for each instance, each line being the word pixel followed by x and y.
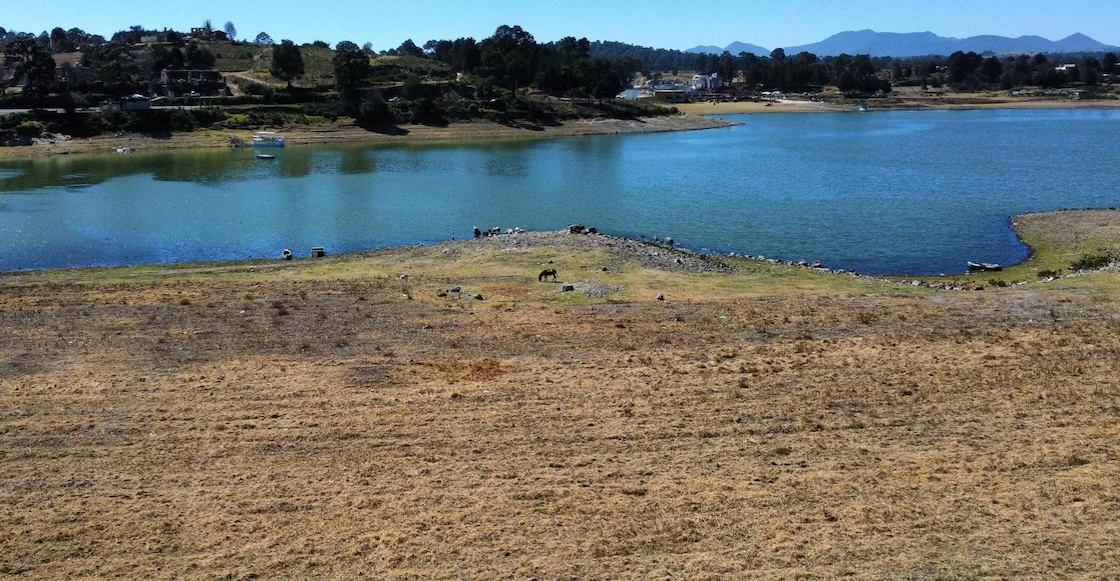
pixel 914 192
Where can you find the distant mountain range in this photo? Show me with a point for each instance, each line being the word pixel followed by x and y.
pixel 734 48
pixel 909 44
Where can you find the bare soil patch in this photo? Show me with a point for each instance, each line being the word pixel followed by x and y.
pixel 330 419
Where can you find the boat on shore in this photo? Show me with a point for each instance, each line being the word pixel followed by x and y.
pixel 983 267
pixel 268 139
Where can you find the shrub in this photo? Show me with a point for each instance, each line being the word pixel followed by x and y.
pixel 182 121
pixel 424 112
pixel 113 120
pixel 204 117
pixel 29 129
pixel 1093 261
pixel 326 109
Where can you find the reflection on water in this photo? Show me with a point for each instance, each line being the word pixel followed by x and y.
pixel 356 161
pixel 508 165
pixel 902 192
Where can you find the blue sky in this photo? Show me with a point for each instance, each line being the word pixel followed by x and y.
pixel 657 23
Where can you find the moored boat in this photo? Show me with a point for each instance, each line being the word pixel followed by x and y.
pixel 983 266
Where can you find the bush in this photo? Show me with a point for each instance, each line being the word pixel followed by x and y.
pixel 113 120
pixel 1093 261
pixel 204 117
pixel 29 129
pixel 424 112
pixel 181 120
pixel 331 110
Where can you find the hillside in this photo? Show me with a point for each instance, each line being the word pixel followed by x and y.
pixel 734 48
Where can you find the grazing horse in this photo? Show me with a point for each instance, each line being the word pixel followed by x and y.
pixel 547 273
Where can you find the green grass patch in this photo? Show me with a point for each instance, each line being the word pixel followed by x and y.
pixel 237 57
pixel 393 69
pixel 1061 242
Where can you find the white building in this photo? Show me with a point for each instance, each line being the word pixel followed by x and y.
pixel 710 82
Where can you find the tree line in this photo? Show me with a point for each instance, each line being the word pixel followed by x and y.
pixel 975 72
pixel 511 60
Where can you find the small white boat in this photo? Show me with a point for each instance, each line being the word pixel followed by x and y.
pixel 268 139
pixel 983 266
pixel 265 156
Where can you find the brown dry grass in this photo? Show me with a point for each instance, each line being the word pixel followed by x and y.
pixel 328 419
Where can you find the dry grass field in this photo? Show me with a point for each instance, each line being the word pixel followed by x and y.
pixel 329 419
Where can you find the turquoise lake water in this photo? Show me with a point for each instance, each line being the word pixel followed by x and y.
pixel 912 192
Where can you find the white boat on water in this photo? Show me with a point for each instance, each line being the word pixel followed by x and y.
pixel 268 139
pixel 983 266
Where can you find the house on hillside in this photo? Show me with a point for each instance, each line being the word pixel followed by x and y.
pixel 706 83
pixel 670 96
pixel 69 71
pixel 179 82
pixel 154 36
pixel 74 76
pixel 208 34
pixel 135 103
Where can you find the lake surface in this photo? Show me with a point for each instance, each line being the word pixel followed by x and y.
pixel 916 192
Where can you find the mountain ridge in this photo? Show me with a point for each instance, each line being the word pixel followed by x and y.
pixel 912 44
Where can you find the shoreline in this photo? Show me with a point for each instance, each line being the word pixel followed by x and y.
pixel 692 117
pixel 947 102
pixel 349 133
pixel 1040 239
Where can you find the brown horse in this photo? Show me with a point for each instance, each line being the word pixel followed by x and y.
pixel 547 273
